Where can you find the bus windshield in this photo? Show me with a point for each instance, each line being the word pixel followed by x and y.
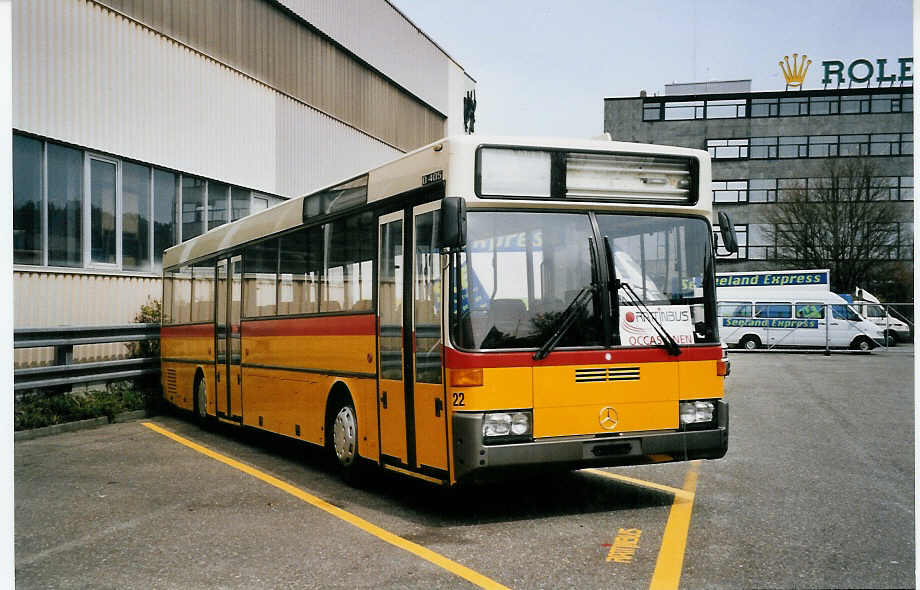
pixel 521 270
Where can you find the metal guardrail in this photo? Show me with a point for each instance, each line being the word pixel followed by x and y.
pixel 65 372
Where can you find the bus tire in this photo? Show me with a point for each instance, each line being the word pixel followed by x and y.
pixel 342 439
pixel 200 400
pixel 862 343
pixel 750 342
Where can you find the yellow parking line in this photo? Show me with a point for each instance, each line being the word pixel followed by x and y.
pixel 426 554
pixel 674 543
pixel 676 492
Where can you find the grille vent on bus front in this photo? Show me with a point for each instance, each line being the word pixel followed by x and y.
pixel 606 374
pixel 171 381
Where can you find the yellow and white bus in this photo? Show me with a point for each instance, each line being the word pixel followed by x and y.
pixel 479 305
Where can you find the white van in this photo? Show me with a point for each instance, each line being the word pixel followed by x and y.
pixel 788 309
pixel 894 328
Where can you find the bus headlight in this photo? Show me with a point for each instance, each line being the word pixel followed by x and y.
pixel 497 425
pixel 696 411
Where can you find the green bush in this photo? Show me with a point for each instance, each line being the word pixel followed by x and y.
pixel 150 313
pixel 44 408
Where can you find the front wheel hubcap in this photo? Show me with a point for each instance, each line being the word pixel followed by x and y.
pixel 345 436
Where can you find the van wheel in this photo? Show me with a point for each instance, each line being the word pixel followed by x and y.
pixel 862 343
pixel 342 441
pixel 891 339
pixel 750 343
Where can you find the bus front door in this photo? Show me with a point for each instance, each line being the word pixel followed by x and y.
pixel 429 404
pixel 229 374
pixel 391 388
pixel 410 399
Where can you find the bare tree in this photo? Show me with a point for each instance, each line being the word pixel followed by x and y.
pixel 843 222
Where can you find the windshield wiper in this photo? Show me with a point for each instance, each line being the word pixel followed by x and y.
pixel 568 318
pixel 668 341
pixel 612 288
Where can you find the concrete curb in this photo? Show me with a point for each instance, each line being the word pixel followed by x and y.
pixel 78 425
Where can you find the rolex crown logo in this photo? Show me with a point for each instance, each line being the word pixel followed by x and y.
pixel 795 72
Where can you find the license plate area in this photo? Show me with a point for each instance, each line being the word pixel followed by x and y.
pixel 611 448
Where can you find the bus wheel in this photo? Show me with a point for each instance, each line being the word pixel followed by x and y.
pixel 201 400
pixel 862 343
pixel 344 441
pixel 750 343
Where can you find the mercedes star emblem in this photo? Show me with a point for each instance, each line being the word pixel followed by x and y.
pixel 608 418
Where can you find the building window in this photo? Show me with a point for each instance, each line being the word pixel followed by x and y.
pixel 822 146
pixel 824 105
pixel 764 107
pixel 682 111
pixel 27 200
pixel 165 198
pixel 135 221
pixel 793 107
pixel 218 203
pixel 763 148
pixel 729 191
pixel 726 109
pixel 855 103
pixel 651 111
pixel 814 146
pixel 103 176
pixel 239 202
pixel 728 149
pixel 65 206
pixel 776 106
pixel 762 190
pixel 73 208
pixel 193 197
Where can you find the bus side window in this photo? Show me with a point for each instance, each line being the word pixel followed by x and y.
pixel 203 291
pixel 260 267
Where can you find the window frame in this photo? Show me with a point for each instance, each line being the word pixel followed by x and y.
pixel 87 237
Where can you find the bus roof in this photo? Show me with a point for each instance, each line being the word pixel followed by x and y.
pixel 408 172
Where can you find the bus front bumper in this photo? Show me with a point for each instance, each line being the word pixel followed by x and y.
pixel 475 460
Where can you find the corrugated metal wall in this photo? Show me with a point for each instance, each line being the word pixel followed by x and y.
pixel 259 38
pixel 377 33
pixel 48 299
pixel 85 75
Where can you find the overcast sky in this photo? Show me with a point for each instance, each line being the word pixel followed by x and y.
pixel 543 67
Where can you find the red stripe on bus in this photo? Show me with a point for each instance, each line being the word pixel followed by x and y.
pixel 348 325
pixel 192 331
pixel 456 359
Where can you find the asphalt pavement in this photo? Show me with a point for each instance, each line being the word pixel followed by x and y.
pixel 816 491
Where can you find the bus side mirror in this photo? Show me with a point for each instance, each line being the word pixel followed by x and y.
pixel 729 237
pixel 452 223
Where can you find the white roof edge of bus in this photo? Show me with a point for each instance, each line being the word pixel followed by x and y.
pixel 289 214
